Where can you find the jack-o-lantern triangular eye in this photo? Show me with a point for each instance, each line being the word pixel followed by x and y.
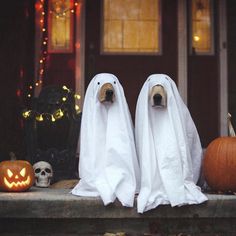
pixel 9 173
pixel 22 172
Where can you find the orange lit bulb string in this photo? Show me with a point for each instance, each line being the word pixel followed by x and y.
pixel 43 53
pixel 40 8
pixel 56 115
pixel 60 8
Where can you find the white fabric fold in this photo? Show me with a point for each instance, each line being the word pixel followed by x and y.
pixel 108 165
pixel 168 148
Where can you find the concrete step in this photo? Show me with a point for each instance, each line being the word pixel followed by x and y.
pixel 57 212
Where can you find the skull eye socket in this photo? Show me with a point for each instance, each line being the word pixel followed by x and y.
pixel 48 170
pixel 22 172
pixel 9 173
pixel 37 170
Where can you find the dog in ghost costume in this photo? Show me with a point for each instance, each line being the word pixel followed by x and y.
pixel 168 147
pixel 108 165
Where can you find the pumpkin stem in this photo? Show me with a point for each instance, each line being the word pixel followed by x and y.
pixel 230 126
pixel 12 156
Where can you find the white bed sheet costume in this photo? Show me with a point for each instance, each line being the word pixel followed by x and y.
pixel 168 148
pixel 108 165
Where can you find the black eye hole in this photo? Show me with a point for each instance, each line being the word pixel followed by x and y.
pixel 48 170
pixel 37 170
pixel 98 83
pixel 114 82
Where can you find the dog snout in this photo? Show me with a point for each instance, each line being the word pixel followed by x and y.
pixel 158 96
pixel 109 93
pixel 157 99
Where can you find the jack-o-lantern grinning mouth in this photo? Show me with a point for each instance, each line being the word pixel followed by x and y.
pixel 18 183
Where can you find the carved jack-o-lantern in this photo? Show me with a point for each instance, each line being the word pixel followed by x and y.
pixel 16 176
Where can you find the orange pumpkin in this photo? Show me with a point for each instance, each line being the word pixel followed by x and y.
pixel 219 165
pixel 16 175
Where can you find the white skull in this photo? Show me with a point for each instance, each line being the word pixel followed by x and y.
pixel 43 174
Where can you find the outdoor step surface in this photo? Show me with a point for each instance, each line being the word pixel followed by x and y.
pixel 58 212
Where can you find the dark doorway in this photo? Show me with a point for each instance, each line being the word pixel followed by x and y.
pixel 17 71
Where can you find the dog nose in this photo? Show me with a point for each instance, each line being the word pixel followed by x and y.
pixel 109 93
pixel 157 99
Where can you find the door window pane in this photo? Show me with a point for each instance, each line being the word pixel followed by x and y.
pixel 131 26
pixel 202 27
pixel 60 26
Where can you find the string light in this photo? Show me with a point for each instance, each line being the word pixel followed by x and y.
pixel 77 96
pixel 40 9
pixel 39 117
pixel 57 114
pixel 53 119
pixel 62 9
pixel 65 88
pixel 26 114
pixel 77 108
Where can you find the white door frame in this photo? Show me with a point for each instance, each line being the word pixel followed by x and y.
pixel 182 50
pixel 223 69
pixel 80 52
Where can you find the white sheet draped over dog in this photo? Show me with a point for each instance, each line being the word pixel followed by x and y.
pixel 108 165
pixel 168 148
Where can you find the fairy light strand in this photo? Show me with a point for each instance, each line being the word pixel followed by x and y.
pixel 54 116
pixel 40 8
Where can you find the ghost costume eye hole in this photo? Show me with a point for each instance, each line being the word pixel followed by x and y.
pixel 98 83
pixel 114 82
